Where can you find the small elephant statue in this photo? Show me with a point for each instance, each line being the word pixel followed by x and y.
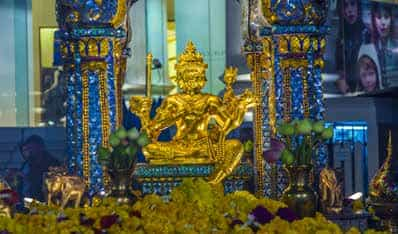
pixel 70 187
pixel 6 197
pixel 5 210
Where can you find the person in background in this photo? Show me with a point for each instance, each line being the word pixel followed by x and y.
pixel 368 69
pixel 352 34
pixel 382 38
pixel 54 101
pixel 37 162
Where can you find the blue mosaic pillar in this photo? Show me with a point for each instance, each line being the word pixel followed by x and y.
pixel 91 45
pixel 297 30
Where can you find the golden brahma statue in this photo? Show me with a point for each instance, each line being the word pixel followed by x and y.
pixel 202 120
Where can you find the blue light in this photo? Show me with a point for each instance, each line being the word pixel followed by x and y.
pixel 353 131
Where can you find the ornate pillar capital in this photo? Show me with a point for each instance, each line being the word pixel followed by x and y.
pixel 295 12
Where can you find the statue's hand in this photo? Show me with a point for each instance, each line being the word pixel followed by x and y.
pixel 247 99
pixel 141 106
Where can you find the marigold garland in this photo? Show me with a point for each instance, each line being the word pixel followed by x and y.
pixel 193 207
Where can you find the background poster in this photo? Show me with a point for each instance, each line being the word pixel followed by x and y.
pixel 362 51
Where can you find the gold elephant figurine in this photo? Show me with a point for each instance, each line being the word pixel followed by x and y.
pixel 69 187
pixel 5 209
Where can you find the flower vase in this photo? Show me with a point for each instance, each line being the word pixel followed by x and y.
pixel 299 196
pixel 120 184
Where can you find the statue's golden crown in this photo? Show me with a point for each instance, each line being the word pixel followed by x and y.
pixel 190 56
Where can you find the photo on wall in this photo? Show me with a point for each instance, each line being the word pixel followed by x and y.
pixel 363 49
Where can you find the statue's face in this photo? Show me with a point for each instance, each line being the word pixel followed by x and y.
pixel 192 79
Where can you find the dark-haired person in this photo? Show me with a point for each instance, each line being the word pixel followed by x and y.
pixel 382 37
pixel 37 162
pixel 352 34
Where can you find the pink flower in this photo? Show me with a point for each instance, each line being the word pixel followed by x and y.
pixel 272 155
pixel 277 144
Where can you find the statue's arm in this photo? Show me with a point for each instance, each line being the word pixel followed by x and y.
pixel 230 114
pixel 219 112
pixel 227 117
pixel 141 106
pixel 165 117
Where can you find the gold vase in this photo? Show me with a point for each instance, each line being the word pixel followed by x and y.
pixel 299 195
pixel 121 185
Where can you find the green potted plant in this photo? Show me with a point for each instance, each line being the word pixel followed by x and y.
pixel 120 159
pixel 301 139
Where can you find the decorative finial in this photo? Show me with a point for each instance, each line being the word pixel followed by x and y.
pixel 384 186
pixel 149 62
pixel 190 56
pixel 389 145
pixel 383 190
pixel 190 48
pixel 230 75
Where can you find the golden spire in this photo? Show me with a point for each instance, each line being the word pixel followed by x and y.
pixel 383 187
pixel 389 145
pixel 190 56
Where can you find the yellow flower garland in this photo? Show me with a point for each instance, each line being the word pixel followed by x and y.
pixel 193 207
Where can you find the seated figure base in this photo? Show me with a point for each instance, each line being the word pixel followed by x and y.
pixel 161 179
